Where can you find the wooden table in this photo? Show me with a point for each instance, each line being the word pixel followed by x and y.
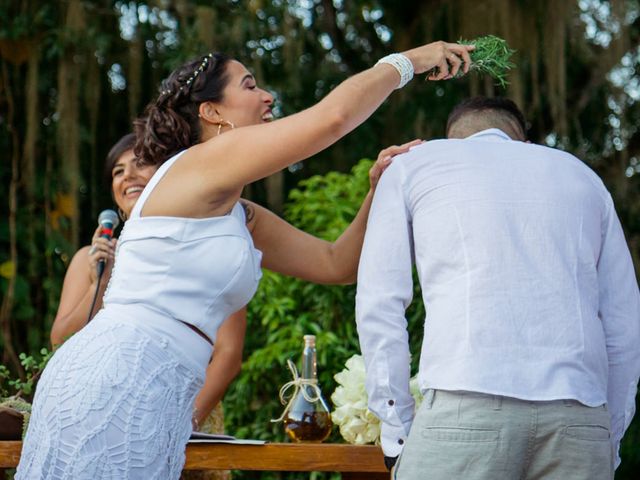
pixel 354 461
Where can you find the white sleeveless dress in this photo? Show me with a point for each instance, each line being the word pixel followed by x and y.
pixel 115 401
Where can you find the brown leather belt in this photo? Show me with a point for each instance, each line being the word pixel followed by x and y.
pixel 198 331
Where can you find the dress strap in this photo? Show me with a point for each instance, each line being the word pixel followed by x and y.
pixel 238 211
pixel 153 181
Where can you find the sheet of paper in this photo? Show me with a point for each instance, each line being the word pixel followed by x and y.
pixel 199 437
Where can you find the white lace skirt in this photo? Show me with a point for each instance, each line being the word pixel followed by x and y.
pixel 115 401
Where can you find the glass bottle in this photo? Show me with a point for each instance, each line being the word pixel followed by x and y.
pixel 308 421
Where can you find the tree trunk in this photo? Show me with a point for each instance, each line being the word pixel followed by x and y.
pixel 6 309
pixel 68 107
pixel 52 294
pixel 28 180
pixel 554 41
pixel 92 99
pixel 134 81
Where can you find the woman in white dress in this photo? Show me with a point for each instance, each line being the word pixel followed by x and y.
pixel 127 180
pixel 115 400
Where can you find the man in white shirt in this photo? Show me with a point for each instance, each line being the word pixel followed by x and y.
pixel 531 351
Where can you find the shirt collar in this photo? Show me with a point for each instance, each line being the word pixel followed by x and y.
pixel 490 134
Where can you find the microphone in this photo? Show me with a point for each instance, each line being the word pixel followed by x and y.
pixel 108 221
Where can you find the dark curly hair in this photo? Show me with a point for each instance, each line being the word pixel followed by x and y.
pixel 170 123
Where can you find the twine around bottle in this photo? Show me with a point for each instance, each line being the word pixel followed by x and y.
pixel 298 382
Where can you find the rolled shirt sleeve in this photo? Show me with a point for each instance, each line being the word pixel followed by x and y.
pixel 385 289
pixel 619 310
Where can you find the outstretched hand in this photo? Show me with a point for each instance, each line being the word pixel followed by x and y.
pixel 446 58
pixel 384 160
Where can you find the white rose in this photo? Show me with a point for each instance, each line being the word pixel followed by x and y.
pixel 358 424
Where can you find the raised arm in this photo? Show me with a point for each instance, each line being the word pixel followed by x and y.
pixel 250 153
pixel 79 288
pixel 209 177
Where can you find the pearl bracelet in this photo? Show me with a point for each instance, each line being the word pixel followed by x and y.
pixel 402 64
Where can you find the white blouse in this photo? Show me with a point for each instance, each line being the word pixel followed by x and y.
pixel 198 271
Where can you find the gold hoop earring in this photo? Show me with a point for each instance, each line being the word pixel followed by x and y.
pixel 225 123
pixel 122 215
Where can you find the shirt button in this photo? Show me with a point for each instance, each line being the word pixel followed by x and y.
pixel 391 403
pixel 401 442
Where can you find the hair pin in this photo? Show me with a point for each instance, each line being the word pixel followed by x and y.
pixel 199 69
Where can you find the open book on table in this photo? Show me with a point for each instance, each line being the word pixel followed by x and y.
pixel 199 437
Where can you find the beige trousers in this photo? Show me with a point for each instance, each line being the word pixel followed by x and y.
pixel 471 436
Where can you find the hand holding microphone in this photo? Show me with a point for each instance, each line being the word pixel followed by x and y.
pixel 103 244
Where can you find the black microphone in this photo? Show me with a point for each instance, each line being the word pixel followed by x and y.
pixel 108 221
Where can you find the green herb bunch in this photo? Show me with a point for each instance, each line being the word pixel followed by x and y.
pixel 492 56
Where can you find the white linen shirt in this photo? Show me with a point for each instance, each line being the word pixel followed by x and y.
pixel 527 281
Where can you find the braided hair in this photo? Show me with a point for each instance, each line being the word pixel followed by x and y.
pixel 170 122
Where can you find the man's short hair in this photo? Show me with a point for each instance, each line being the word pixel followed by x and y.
pixel 479 113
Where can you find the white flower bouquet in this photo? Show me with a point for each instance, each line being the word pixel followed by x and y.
pixel 358 425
